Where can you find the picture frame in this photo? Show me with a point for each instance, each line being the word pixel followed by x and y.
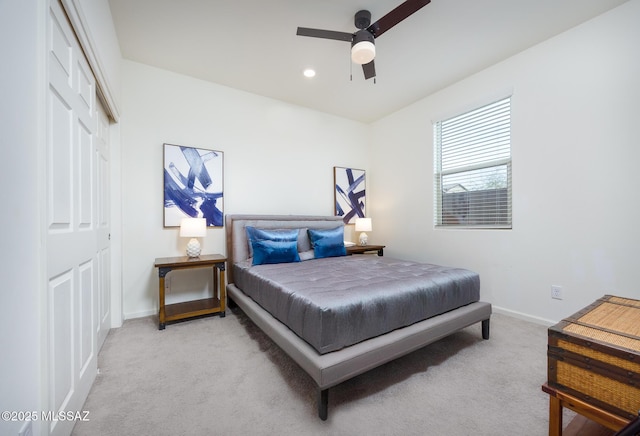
pixel 193 184
pixel 349 193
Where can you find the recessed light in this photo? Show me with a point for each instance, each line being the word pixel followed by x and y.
pixel 309 72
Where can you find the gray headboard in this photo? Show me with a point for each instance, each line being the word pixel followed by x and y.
pixel 238 246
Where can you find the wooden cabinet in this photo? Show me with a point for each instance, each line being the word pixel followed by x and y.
pixel 593 364
pixel 360 249
pixel 190 309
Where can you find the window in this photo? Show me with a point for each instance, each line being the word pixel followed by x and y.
pixel 473 168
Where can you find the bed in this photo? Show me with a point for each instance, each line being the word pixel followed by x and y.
pixel 339 316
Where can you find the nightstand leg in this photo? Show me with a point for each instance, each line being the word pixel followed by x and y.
pixel 161 312
pixel 223 290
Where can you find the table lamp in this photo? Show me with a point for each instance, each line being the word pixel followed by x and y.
pixel 193 228
pixel 363 225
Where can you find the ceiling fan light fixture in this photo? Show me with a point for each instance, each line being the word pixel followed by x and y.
pixel 363 52
pixel 363 49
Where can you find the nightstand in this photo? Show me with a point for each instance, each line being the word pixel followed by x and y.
pixel 360 249
pixel 191 309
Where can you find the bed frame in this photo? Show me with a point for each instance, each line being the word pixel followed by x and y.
pixel 331 369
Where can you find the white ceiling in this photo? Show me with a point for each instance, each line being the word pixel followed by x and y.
pixel 252 45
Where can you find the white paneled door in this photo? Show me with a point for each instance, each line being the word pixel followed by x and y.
pixel 103 303
pixel 77 229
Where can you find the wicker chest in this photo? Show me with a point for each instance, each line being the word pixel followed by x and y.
pixel 594 355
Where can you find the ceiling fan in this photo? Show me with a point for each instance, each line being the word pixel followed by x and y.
pixel 363 49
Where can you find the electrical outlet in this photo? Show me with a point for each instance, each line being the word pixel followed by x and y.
pixel 556 292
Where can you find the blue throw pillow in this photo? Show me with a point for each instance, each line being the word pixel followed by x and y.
pixel 327 242
pixel 273 246
pixel 266 252
pixel 256 234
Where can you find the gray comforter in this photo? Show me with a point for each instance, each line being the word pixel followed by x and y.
pixel 336 302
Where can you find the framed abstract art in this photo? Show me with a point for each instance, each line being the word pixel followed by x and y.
pixel 350 193
pixel 193 185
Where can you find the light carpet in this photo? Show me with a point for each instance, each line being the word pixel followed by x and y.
pixel 215 376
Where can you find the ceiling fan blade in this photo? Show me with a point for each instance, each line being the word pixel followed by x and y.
pixel 395 16
pixel 369 70
pixel 327 34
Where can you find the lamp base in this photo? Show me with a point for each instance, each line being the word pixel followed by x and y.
pixel 193 248
pixel 364 239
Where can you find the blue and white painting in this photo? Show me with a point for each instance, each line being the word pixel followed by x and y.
pixel 193 181
pixel 350 192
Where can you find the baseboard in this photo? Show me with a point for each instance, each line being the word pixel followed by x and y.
pixel 141 314
pixel 523 316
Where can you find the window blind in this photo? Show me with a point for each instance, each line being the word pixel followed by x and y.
pixel 473 168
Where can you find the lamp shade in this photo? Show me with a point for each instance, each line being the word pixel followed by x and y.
pixel 193 227
pixel 363 225
pixel 363 48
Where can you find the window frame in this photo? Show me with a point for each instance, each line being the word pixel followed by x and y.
pixel 498 157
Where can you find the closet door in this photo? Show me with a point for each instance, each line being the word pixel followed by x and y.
pixel 75 267
pixel 103 222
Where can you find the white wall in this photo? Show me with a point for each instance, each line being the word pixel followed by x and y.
pixel 576 149
pixel 20 119
pixel 278 159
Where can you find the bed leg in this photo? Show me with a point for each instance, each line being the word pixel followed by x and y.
pixel 230 303
pixel 485 328
pixel 323 404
